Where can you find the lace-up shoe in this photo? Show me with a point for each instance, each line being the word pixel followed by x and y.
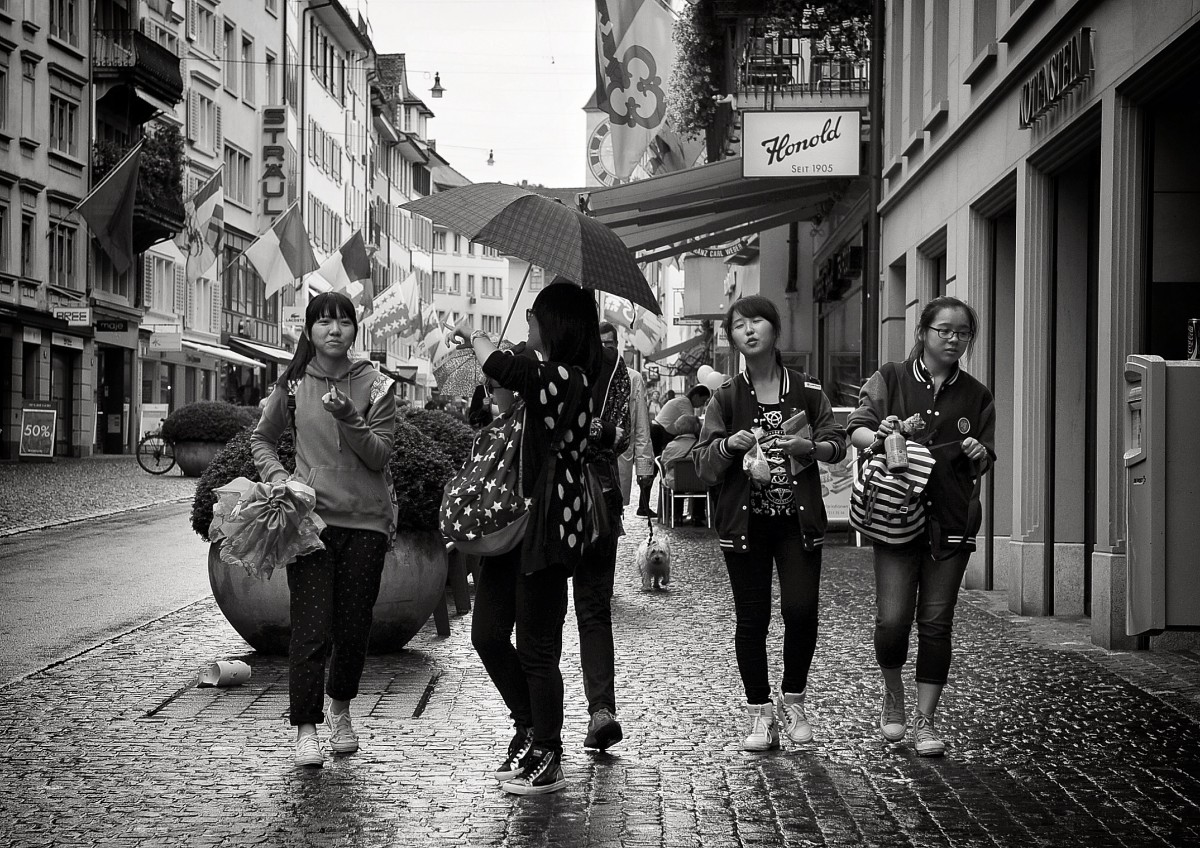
pixel 542 774
pixel 764 734
pixel 925 740
pixel 891 718
pixel 604 730
pixel 308 751
pixel 514 760
pixel 793 718
pixel 342 738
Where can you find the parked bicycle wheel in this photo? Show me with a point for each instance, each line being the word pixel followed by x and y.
pixel 155 454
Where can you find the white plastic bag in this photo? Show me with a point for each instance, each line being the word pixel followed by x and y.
pixel 755 464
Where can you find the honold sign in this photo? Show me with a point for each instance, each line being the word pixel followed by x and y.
pixel 801 144
pixel 1071 64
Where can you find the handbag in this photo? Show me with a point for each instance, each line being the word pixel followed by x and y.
pixel 484 510
pixel 886 507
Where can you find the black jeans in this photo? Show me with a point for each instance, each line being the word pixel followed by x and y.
pixel 527 676
pixel 775 543
pixel 332 595
pixel 908 582
pixel 593 587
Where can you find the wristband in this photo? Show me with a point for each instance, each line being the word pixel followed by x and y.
pixel 479 334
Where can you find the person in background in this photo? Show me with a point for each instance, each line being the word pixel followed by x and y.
pixel 526 588
pixel 662 428
pixel 921 579
pixel 772 523
pixel 342 414
pixel 679 449
pixel 639 455
pixel 592 582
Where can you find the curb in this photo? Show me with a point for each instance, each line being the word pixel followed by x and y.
pixel 12 531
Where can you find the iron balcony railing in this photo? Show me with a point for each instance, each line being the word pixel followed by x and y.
pixel 788 64
pixel 149 62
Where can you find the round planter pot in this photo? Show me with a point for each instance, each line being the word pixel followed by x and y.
pixel 413 583
pixel 194 457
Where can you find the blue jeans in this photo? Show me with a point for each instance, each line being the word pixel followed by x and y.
pixel 776 543
pixel 910 583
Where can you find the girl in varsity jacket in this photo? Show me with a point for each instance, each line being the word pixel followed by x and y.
pixel 775 524
pixel 922 578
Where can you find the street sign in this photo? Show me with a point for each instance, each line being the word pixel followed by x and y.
pixel 75 316
pixel 111 325
pixel 38 419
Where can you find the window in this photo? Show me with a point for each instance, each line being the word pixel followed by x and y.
pixel 439 281
pixel 64 20
pixel 248 69
pixel 4 223
pixel 457 243
pixel 272 6
pixel 65 97
pixel 3 91
pixel 537 278
pixel 28 258
pixel 291 80
pixel 204 121
pixel 162 284
pixel 984 24
pixel 471 284
pixel 470 248
pixel 28 96
pixel 63 270
pixel 439 241
pixel 161 35
pixel 327 62
pixel 916 79
pixel 272 64
pixel 229 52
pixel 204 27
pixel 243 291
pixel 457 287
pixel 238 184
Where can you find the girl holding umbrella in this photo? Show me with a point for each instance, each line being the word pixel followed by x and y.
pixel 526 588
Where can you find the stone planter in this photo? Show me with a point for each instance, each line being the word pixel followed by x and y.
pixel 194 457
pixel 414 582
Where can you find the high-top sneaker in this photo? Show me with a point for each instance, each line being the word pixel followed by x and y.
pixel 925 740
pixel 793 718
pixel 891 717
pixel 342 738
pixel 514 760
pixel 542 773
pixel 764 734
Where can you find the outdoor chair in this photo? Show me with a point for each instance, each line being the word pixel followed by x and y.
pixel 688 487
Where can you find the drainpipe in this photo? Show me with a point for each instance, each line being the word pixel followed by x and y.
pixel 871 309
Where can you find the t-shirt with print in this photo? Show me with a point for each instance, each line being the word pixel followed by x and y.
pixel 774 498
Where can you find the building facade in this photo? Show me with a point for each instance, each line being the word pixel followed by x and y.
pixel 1037 166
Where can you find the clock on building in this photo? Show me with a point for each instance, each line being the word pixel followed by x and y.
pixel 600 155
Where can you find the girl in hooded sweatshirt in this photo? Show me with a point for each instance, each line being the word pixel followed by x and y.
pixel 343 416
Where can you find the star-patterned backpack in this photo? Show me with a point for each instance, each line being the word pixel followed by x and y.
pixel 484 509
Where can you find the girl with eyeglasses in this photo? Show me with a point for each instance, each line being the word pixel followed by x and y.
pixel 921 579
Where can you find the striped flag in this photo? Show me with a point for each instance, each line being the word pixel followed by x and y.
pixel 282 254
pixel 347 265
pixel 648 332
pixel 200 240
pixel 108 209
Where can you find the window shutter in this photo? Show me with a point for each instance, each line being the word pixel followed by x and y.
pixel 193 115
pixel 180 304
pixel 218 134
pixel 147 281
pixel 191 20
pixel 189 302
pixel 219 42
pixel 214 319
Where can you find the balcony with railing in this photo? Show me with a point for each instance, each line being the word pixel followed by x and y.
pixel 126 64
pixel 779 70
pixel 158 211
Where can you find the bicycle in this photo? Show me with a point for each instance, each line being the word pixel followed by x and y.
pixel 156 454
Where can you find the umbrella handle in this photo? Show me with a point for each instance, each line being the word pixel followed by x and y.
pixel 516 299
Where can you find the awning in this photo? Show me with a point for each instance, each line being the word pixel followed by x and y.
pixel 222 353
pixel 260 351
pixel 676 212
pixel 674 349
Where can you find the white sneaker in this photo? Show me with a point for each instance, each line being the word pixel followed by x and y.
pixel 891 717
pixel 793 718
pixel 925 740
pixel 764 734
pixel 342 738
pixel 308 751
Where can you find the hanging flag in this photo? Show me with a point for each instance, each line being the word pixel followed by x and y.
pixel 200 239
pixel 108 209
pixel 635 55
pixel 348 264
pixel 282 254
pixel 395 310
pixel 432 330
pixel 618 311
pixel 648 331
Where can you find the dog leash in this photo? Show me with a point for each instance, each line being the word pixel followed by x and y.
pixel 650 526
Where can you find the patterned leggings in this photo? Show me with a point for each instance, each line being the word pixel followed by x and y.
pixel 332 594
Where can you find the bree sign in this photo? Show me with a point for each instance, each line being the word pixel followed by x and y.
pixel 75 316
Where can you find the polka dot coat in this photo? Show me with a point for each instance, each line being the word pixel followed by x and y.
pixel 553 480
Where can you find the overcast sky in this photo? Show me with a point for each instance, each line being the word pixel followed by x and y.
pixel 516 72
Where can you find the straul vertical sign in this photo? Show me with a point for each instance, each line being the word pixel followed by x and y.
pixel 274 157
pixel 801 144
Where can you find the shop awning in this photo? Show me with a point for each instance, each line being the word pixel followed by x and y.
pixel 694 341
pixel 676 212
pixel 260 351
pixel 218 352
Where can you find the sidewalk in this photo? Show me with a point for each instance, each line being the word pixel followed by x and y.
pixel 1051 740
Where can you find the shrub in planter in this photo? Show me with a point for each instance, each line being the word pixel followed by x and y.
pixel 452 435
pixel 208 421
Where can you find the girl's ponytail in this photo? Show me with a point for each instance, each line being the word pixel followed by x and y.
pixel 299 364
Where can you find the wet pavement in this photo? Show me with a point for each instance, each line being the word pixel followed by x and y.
pixel 1051 741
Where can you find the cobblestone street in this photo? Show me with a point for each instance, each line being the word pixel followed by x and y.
pixel 1051 741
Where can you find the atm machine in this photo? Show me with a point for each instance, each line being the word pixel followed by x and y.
pixel 1162 487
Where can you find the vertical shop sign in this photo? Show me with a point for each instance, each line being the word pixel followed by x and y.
pixel 274 156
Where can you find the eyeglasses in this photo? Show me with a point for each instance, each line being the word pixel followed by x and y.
pixel 947 333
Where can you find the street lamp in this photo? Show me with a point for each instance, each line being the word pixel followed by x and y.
pixel 491 159
pixel 437 89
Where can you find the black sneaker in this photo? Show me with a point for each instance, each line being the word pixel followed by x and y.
pixel 518 750
pixel 542 773
pixel 604 730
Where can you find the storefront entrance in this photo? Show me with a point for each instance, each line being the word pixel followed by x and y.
pixel 112 396
pixel 62 392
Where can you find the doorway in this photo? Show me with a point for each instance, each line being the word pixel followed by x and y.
pixel 62 391
pixel 110 398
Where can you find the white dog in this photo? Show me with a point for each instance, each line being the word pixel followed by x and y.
pixel 654 563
